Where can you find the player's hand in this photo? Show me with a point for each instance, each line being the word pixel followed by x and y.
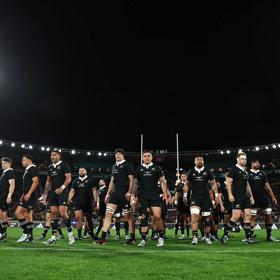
pixel 170 200
pixel 107 198
pixel 252 201
pixel 274 201
pixel 127 196
pixel 26 197
pixel 69 203
pixel 222 209
pixel 44 199
pixel 231 198
pixel 133 203
pixel 177 182
pixel 96 207
pixel 59 190
pixel 9 200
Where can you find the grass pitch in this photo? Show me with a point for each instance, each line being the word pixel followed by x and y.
pixel 176 260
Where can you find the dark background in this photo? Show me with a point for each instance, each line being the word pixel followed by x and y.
pixel 95 75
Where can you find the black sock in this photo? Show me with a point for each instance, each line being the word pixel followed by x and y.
pixel 195 233
pixel 215 233
pixel 252 230
pixel 229 226
pixel 144 236
pixel 188 230
pixel 1 228
pixel 118 227
pixel 104 235
pixel 126 227
pixel 85 231
pixel 59 231
pixel 54 226
pixel 22 223
pixel 176 228
pixel 79 233
pixel 29 228
pixel 68 225
pixel 99 228
pixel 268 230
pixel 46 229
pixel 247 229
pixel 132 235
pixel 182 230
pixel 161 234
pixel 4 227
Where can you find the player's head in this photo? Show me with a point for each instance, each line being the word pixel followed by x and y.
pixel 147 156
pixel 101 183
pixel 241 159
pixel 6 163
pixel 119 154
pixel 26 160
pixel 255 164
pixel 55 156
pixel 183 176
pixel 82 172
pixel 199 161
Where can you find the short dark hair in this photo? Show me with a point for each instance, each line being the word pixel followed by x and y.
pixel 254 160
pixel 183 173
pixel 7 159
pixel 56 151
pixel 241 154
pixel 119 150
pixel 28 157
pixel 148 151
pixel 198 156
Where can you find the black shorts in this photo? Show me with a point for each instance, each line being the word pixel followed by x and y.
pixel 262 203
pixel 203 203
pixel 228 208
pixel 119 199
pixel 86 208
pixel 28 205
pixel 58 199
pixel 4 206
pixel 150 201
pixel 183 209
pixel 241 203
pixel 102 211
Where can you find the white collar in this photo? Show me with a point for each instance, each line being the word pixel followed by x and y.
pixel 240 167
pixel 120 162
pixel 57 164
pixel 199 169
pixel 255 171
pixel 7 170
pixel 83 178
pixel 29 167
pixel 147 165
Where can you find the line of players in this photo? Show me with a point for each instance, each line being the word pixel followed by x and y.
pixel 197 199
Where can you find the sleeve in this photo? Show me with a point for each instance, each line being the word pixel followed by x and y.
pixel 130 169
pixel 136 174
pixel 73 185
pixel 34 172
pixel 160 172
pixel 189 176
pixel 66 168
pixel 210 175
pixel 265 178
pixel 11 175
pixel 232 173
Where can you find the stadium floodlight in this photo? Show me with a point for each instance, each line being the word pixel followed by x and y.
pixel 278 145
pixel 73 152
pixel 88 153
pixel 274 146
pixel 48 149
pixel 100 154
pixel 228 152
pixel 13 144
pixel 221 152
pixel 30 147
pixel 257 148
pixel 105 154
pixel 42 148
pixel 266 147
pixel 22 146
pixel 1 142
pixel 240 151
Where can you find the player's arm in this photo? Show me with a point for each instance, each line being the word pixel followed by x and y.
pixel 229 181
pixel 186 191
pixel 67 181
pixel 47 189
pixel 11 190
pixel 71 195
pixel 270 192
pixel 215 190
pixel 34 186
pixel 96 197
pixel 110 189
pixel 164 187
pixel 175 199
pixel 221 202
pixel 250 194
pixel 131 186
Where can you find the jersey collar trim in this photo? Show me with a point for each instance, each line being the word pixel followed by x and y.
pixel 57 164
pixel 199 169
pixel 29 166
pixel 83 178
pixel 7 170
pixel 120 162
pixel 255 171
pixel 240 167
pixel 148 165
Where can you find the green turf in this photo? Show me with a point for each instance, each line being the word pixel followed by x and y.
pixel 177 260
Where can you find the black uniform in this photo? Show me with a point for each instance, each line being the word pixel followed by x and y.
pixel 30 172
pixel 120 172
pixel 199 188
pixel 102 205
pixel 7 175
pixel 182 208
pixel 257 181
pixel 83 194
pixel 223 190
pixel 57 173
pixel 148 190
pixel 239 184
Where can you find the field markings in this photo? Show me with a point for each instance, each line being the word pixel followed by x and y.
pixel 141 251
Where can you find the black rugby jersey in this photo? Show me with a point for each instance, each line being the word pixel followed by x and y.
pixel 57 173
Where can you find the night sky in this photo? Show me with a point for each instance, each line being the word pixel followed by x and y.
pixel 96 76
